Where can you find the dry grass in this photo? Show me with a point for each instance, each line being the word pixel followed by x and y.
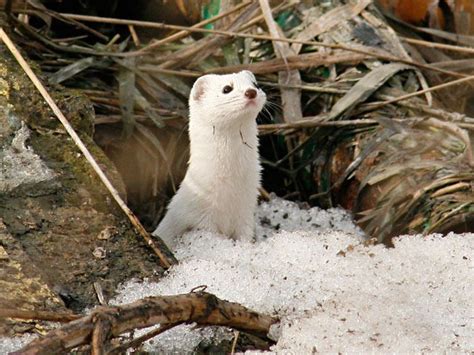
pixel 354 120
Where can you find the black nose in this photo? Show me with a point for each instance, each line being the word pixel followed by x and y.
pixel 251 93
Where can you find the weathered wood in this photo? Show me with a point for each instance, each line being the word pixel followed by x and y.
pixel 107 322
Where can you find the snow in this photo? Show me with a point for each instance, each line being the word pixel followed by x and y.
pixel 8 345
pixel 331 291
pixel 20 164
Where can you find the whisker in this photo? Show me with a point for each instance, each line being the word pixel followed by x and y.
pixel 267 114
pixel 274 106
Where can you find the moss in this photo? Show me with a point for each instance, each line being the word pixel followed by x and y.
pixel 49 138
pixel 57 222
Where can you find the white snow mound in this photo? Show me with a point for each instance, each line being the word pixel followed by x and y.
pixel 331 292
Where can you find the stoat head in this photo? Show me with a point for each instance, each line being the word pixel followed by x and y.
pixel 226 99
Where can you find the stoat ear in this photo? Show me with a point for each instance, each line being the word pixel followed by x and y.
pixel 199 88
pixel 250 74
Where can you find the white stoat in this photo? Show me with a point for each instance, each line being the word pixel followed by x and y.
pixel 219 192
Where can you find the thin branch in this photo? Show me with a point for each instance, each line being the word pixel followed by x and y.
pixel 164 260
pixel 301 61
pixel 420 92
pixel 134 35
pixel 183 33
pixel 38 315
pixel 449 47
pixel 310 123
pixel 316 121
pixel 140 340
pixel 100 333
pixel 199 307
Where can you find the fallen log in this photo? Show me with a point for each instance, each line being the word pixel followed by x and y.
pixel 105 323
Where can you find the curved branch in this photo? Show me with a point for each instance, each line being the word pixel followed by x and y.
pixel 105 323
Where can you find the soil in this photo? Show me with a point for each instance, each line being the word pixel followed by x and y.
pixel 68 229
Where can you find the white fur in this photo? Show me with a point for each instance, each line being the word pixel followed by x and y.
pixel 219 192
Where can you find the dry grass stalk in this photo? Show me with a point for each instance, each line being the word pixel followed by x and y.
pixel 360 50
pixel 290 98
pixel 38 315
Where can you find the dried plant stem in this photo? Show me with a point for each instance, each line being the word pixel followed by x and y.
pixel 140 340
pixel 156 69
pixel 278 8
pixel 460 133
pixel 38 315
pixel 234 342
pixel 184 33
pixel 449 47
pixel 100 333
pixel 166 262
pixel 60 18
pixel 310 123
pixel 317 122
pixel 375 54
pixel 135 38
pixel 420 92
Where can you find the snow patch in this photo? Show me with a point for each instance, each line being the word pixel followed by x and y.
pixel 8 345
pixel 20 165
pixel 332 292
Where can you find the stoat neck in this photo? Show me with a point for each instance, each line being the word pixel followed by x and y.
pixel 220 148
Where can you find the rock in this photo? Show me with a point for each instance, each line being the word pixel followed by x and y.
pixel 53 206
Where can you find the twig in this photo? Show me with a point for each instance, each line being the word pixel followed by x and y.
pixel 317 122
pixel 301 61
pixel 420 107
pixel 321 89
pixel 73 22
pixel 156 69
pixel 290 98
pixel 447 216
pixel 137 341
pixel 165 261
pixel 420 92
pixel 310 123
pixel 450 47
pixel 279 8
pixel 38 315
pixel 100 333
pixel 99 293
pixel 451 189
pixel 68 49
pixel 135 38
pixel 234 343
pixel 184 33
pixel 264 194
pixel 199 307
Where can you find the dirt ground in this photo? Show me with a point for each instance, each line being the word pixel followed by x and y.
pixel 63 234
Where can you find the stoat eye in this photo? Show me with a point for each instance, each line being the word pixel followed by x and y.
pixel 227 89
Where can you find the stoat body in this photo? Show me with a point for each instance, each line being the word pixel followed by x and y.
pixel 219 192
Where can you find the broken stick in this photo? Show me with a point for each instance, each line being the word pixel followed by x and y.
pixel 105 323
